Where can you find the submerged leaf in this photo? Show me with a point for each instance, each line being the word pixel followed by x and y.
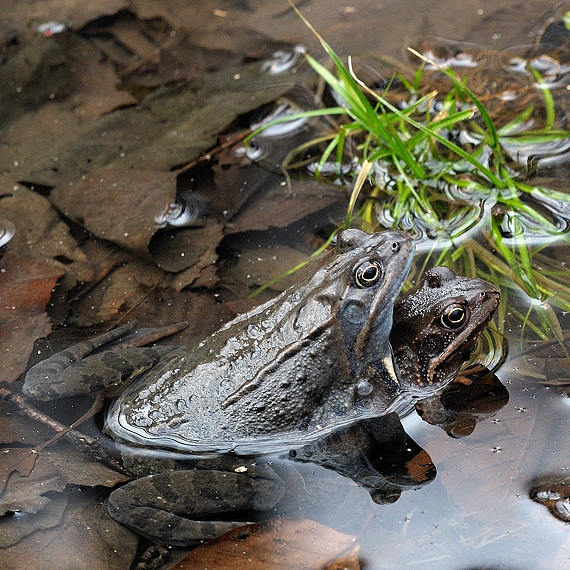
pixel 118 205
pixel 25 290
pixel 301 543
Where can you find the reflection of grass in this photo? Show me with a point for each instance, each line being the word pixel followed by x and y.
pixel 422 179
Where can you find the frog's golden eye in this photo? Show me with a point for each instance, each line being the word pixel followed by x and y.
pixel 368 274
pixel 453 316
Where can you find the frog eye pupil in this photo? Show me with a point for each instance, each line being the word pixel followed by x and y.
pixel 453 316
pixel 368 274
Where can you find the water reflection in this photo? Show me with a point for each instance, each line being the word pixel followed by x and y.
pixel 375 453
pixel 476 395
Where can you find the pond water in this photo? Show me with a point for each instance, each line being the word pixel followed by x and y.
pixel 109 192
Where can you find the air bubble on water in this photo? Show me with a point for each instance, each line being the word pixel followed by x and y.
pixel 258 149
pixel 285 108
pixel 182 212
pixel 330 168
pixel 282 61
pixel 7 230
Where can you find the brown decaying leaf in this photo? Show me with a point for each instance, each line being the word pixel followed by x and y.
pixel 86 537
pixel 279 543
pixel 26 285
pixel 56 466
pixel 118 205
pixel 14 528
pixel 191 248
pixel 25 290
pixel 275 204
pixel 18 459
pixel 40 232
pixel 54 469
pixel 95 81
pixel 120 292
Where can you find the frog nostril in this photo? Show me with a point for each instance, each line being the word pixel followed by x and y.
pixel 395 246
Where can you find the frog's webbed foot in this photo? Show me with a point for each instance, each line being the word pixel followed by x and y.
pixel 72 372
pixel 169 507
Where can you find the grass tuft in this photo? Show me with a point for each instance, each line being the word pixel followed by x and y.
pixel 439 167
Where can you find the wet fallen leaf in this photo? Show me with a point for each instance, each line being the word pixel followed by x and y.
pixel 18 459
pixel 41 234
pixel 15 527
pixel 164 306
pixel 95 81
pixel 26 285
pixel 280 207
pixel 27 494
pixel 31 475
pixel 257 199
pixel 118 293
pixel 52 471
pixel 169 128
pixel 191 248
pixel 261 258
pixel 85 537
pixel 118 205
pixel 26 69
pixel 25 290
pixel 276 544
pixel 236 180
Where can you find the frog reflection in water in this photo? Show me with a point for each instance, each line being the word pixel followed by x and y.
pixel 314 358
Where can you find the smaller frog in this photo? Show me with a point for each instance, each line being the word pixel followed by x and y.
pixel 435 325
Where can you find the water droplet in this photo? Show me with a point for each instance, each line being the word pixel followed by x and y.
pixel 50 28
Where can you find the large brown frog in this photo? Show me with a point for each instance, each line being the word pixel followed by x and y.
pixel 314 357
pixel 338 371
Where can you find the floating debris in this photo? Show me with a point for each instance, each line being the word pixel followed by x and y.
pixel 51 28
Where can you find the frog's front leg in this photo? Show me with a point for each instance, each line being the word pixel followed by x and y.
pixel 188 506
pixel 72 372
